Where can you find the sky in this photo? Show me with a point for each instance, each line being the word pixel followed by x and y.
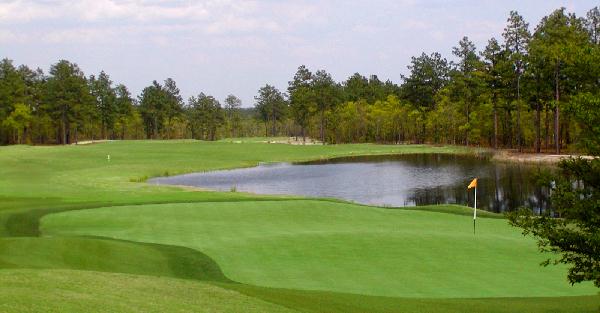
pixel 223 47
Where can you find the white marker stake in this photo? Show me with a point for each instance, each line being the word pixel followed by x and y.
pixel 108 158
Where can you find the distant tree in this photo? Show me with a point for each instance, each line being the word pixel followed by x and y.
pixel 173 104
pixel 18 121
pixel 205 116
pixel 494 58
pixel 592 23
pixel 34 91
pixel 123 107
pixel 105 100
pixel 67 99
pixel 152 107
pixel 557 38
pixel 12 91
pixel 467 82
pixel 516 40
pixel 232 112
pixel 302 99
pixel 356 87
pixel 428 74
pixel 271 107
pixel 538 87
pixel 326 95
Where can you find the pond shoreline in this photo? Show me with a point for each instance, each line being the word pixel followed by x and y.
pixel 519 157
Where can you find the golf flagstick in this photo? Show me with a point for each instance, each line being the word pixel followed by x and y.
pixel 473 184
pixel 475 210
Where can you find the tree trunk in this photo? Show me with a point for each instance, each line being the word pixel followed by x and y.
pixel 467 131
pixel 155 127
pixel 273 127
pixel 538 123
pixel 322 130
pixel 557 112
pixel 519 145
pixel 495 123
pixel 547 127
pixel 64 128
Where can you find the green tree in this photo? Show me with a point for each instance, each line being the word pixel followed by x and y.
pixel 123 108
pixel 18 121
pixel 205 115
pixel 302 100
pixel 12 91
pixel 326 95
pixel 356 87
pixel 495 60
pixel 592 24
pixel 67 99
pixel 575 236
pixel 232 112
pixel 428 74
pixel 106 102
pixel 34 91
pixel 271 107
pixel 152 107
pixel 173 105
pixel 557 38
pixel 467 82
pixel 516 40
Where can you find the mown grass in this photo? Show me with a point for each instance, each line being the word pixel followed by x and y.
pixel 315 245
pixel 70 291
pixel 37 272
pixel 97 254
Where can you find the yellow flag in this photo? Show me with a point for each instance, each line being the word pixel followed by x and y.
pixel 473 184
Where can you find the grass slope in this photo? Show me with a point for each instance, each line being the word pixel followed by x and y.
pixel 320 245
pixel 65 291
pixel 335 302
pixel 97 254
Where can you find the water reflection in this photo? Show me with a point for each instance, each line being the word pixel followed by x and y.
pixel 400 180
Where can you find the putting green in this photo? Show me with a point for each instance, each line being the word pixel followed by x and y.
pixel 322 245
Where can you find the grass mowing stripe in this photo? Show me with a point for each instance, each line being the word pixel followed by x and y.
pixel 334 302
pixel 106 255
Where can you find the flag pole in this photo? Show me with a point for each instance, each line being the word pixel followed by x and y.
pixel 475 211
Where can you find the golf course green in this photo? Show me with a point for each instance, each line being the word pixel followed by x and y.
pixel 80 232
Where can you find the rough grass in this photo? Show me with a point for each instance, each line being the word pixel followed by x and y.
pixel 66 291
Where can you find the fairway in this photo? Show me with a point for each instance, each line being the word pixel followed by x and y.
pixel 320 245
pixel 95 231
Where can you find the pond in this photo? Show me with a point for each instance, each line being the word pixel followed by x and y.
pixel 393 180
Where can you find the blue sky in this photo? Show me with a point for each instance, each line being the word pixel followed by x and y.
pixel 220 47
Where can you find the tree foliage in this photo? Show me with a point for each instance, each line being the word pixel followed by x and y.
pixel 512 93
pixel 574 237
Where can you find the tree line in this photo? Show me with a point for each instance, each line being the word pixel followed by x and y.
pixel 514 93
pixel 65 106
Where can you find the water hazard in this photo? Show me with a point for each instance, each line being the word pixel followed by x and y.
pixel 399 180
